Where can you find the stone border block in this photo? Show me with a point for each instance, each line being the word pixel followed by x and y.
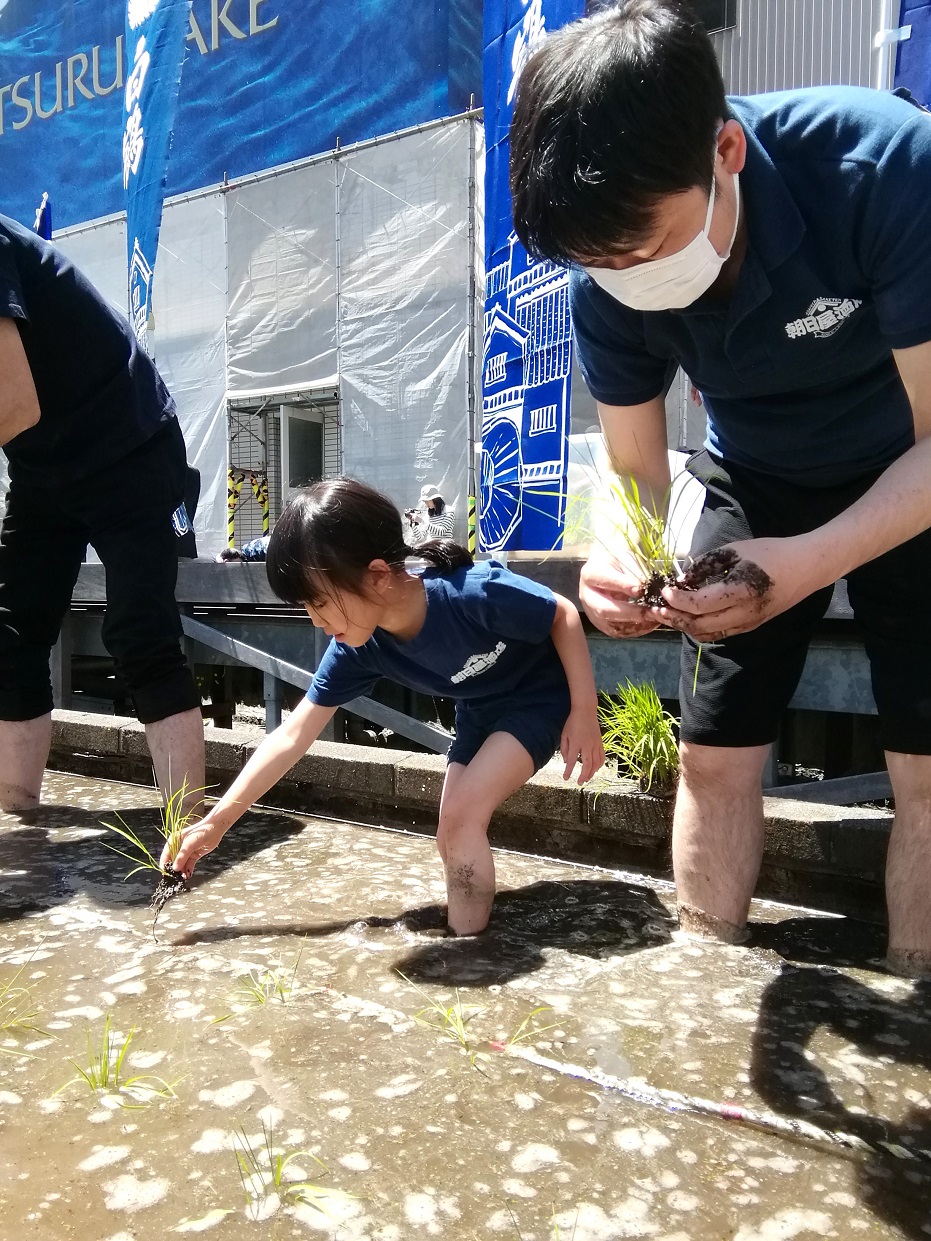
pixel 419 779
pixel 625 811
pixel 87 731
pixel 338 767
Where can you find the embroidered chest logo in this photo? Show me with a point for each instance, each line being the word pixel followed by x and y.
pixel 823 317
pixel 479 663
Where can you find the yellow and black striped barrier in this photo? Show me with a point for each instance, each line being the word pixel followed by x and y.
pixel 235 480
pixel 260 491
pixel 472 524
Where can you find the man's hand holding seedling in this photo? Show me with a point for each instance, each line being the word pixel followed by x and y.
pixel 609 590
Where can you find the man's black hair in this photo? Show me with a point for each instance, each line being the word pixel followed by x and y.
pixel 613 113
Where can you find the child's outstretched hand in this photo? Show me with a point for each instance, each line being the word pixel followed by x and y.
pixel 581 743
pixel 196 842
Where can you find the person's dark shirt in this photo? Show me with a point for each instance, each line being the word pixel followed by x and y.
pixel 100 396
pixel 797 372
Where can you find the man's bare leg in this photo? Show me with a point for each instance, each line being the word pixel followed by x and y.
pixel 24 747
pixel 908 866
pixel 177 748
pixel 717 838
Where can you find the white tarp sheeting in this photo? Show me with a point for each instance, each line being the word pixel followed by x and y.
pixel 354 266
pixel 404 282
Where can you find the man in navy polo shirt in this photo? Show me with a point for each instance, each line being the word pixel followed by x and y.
pixel 779 249
pixel 96 456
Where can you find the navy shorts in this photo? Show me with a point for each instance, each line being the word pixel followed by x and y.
pixel 124 511
pixel 536 724
pixel 745 683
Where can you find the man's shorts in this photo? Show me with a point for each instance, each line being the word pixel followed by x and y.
pixel 125 511
pixel 744 683
pixel 536 724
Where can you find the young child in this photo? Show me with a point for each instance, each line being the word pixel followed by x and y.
pixel 510 652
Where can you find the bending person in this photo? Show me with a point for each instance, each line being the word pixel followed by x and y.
pixel 96 457
pixel 510 652
pixel 777 248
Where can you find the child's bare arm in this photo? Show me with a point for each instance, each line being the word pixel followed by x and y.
pixel 275 756
pixel 581 736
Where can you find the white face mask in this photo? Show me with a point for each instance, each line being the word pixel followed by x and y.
pixel 676 280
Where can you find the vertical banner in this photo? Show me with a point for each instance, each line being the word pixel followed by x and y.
pixel 155 37
pixel 526 344
pixel 913 49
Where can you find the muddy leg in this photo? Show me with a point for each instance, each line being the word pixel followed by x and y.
pixel 908 866
pixel 24 747
pixel 717 841
pixel 471 795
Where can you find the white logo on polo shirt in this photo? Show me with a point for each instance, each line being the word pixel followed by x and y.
pixel 823 318
pixel 479 663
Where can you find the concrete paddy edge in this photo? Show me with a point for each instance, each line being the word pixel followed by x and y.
pixel 831 857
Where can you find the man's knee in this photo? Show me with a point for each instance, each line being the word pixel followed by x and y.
pixel 706 768
pixel 160 684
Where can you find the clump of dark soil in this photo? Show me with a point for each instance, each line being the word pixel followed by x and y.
pixel 170 884
pixel 724 564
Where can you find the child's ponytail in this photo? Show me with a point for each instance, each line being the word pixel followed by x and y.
pixel 329 534
pixel 444 554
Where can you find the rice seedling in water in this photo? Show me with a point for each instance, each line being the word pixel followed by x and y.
pixel 104 1071
pixel 450 1020
pixel 266 1175
pixel 15 1003
pixel 259 987
pixel 639 734
pixel 173 822
pixel 529 1029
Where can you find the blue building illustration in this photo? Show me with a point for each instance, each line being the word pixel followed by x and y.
pixel 526 364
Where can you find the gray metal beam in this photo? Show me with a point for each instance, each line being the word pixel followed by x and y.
pixel 844 791
pixel 415 730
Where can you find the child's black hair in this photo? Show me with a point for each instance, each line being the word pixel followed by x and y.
pixel 331 532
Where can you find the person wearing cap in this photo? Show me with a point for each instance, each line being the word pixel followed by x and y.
pixel 431 519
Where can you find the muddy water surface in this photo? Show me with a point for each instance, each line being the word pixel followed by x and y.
pixel 313 1058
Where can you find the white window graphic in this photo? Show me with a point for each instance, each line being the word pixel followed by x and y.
pixel 542 420
pixel 494 371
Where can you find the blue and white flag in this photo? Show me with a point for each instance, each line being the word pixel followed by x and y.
pixel 43 224
pixel 527 346
pixel 155 38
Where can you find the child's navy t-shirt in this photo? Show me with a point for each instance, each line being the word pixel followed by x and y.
pixel 486 636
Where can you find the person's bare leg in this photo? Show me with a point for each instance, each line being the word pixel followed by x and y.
pixel 24 747
pixel 908 866
pixel 500 768
pixel 717 838
pixel 177 748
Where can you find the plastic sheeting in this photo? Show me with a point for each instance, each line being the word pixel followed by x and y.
pixel 189 333
pixel 282 280
pixel 354 269
pixel 404 314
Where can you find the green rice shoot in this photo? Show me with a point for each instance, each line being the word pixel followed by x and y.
pixel 104 1070
pixel 264 1172
pixel 639 735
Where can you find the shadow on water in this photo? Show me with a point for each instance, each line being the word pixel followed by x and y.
pixel 594 918
pixel 38 872
pixel 795 1006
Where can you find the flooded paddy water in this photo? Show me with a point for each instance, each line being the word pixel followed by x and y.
pixel 309 1056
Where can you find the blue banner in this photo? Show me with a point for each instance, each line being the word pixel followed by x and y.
pixel 265 82
pixel 527 346
pixel 913 59
pixel 155 32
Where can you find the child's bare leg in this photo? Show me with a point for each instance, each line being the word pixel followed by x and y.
pixel 471 795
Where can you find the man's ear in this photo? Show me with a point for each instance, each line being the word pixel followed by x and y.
pixel 732 146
